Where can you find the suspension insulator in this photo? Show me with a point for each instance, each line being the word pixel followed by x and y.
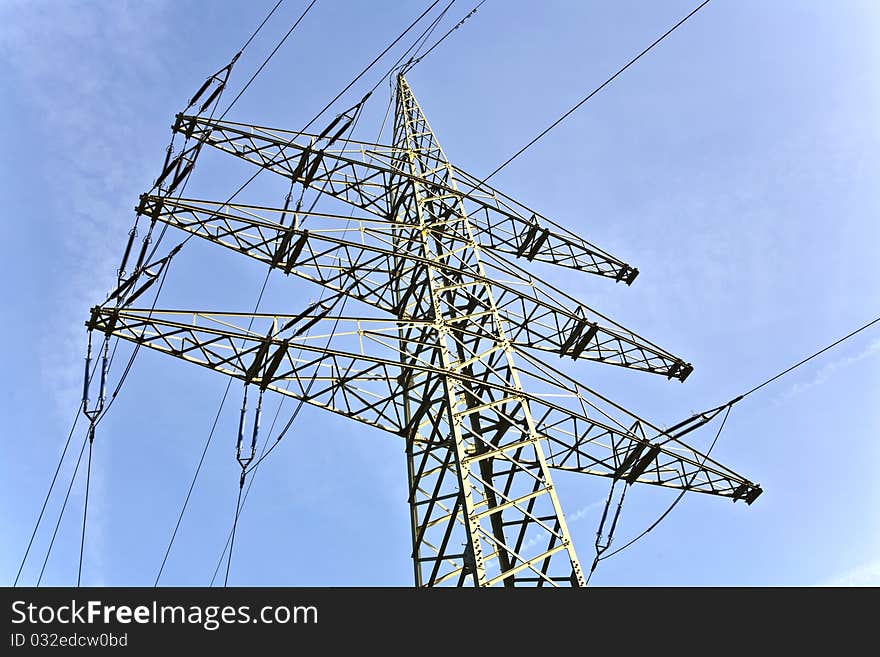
pixel 104 368
pixel 256 431
pixel 241 421
pixel 131 235
pixel 198 94
pixel 211 98
pixel 144 246
pixel 88 366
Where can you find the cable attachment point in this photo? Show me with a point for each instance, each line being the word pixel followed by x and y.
pixel 245 461
pixel 132 234
pixel 219 80
pixel 127 292
pixel 93 413
pixel 346 118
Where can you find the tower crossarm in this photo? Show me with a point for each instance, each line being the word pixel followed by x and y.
pixel 365 371
pixel 363 258
pixel 516 229
pixel 361 173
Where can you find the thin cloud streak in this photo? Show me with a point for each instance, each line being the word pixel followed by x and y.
pixel 88 163
pixel 867 574
pixel 872 350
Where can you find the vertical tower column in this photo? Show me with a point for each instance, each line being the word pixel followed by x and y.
pixel 483 505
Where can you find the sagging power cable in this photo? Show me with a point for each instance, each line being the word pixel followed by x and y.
pixel 727 408
pixel 82 450
pixel 811 357
pixel 192 483
pixel 678 498
pixel 265 447
pixel 208 441
pixel 247 468
pixel 52 485
pixel 46 499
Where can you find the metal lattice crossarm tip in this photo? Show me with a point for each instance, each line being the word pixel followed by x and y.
pixel 448 352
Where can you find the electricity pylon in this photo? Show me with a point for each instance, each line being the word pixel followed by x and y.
pixel 449 358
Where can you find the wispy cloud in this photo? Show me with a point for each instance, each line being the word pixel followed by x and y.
pixel 68 63
pixel 570 518
pixel 583 511
pixel 87 127
pixel 829 369
pixel 867 574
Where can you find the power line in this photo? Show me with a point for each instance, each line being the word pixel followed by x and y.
pixel 82 545
pixel 269 57
pixel 230 540
pixel 371 64
pixel 724 421
pixel 433 26
pixel 593 93
pixel 192 483
pixel 208 441
pixel 234 526
pixel 415 46
pixel 251 482
pixel 811 357
pixel 680 495
pixel 54 478
pixel 61 512
pixel 260 27
pixel 48 495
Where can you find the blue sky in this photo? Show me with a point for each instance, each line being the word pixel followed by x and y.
pixel 736 165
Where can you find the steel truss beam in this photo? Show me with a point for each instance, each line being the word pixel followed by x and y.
pixel 585 432
pixel 448 367
pixel 360 173
pixel 361 257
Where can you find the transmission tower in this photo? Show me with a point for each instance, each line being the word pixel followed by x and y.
pixel 448 352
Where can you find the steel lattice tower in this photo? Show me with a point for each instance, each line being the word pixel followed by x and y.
pixel 448 359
